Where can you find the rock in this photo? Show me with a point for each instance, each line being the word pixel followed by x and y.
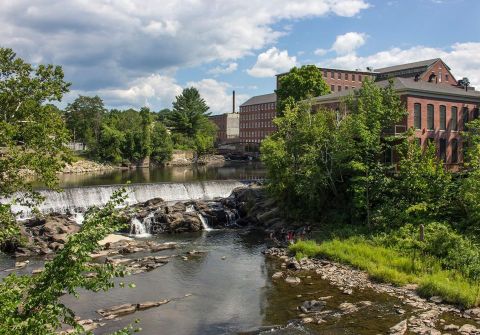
pixel 113 238
pixel 151 304
pixel 224 257
pixel 400 311
pixel 348 308
pixel 119 310
pixel 399 329
pixel 277 275
pixel 20 265
pixel 436 299
pixel 474 312
pixel 468 329
pixel 347 291
pixel 451 327
pixel 312 306
pixel 293 265
pixel 307 320
pixel 292 280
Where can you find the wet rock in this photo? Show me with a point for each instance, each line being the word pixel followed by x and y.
pixel 21 265
pixel 312 306
pixel 277 275
pixel 399 329
pixel 126 309
pixel 293 265
pixel 348 308
pixel 436 299
pixel 307 320
pixel 474 312
pixel 292 280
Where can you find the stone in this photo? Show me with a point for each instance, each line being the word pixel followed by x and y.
pixel 312 306
pixel 151 304
pixel 474 312
pixel 113 238
pixel 468 329
pixel 451 327
pixel 307 320
pixel 277 275
pixel 399 329
pixel 436 299
pixel 348 308
pixel 119 310
pixel 292 280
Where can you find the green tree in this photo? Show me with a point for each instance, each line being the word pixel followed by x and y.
pixel 110 144
pixel 32 133
pixel 162 145
pixel 300 158
pixel 300 84
pixel 84 118
pixel 371 111
pixel 189 113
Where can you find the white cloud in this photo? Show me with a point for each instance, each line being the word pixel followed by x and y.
pixel 458 57
pixel 348 42
pixel 272 62
pixel 218 95
pixel 104 43
pixel 320 52
pixel 232 67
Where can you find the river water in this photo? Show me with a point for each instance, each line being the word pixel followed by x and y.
pixel 229 287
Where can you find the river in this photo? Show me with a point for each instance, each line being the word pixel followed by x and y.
pixel 230 287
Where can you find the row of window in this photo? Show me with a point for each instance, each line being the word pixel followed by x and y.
pixel 417 116
pixel 258 134
pixel 258 116
pixel 339 88
pixel 256 124
pixel 442 148
pixel 258 107
pixel 341 75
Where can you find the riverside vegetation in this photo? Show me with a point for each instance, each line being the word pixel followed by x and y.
pixel 409 222
pixel 33 138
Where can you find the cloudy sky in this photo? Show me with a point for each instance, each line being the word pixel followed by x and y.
pixel 143 52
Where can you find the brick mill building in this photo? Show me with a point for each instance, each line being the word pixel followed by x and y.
pixel 438 106
pixel 227 127
pixel 256 118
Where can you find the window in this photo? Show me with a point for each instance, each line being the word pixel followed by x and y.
pixel 339 76
pixel 475 113
pixel 339 88
pixel 346 87
pixel 443 149
pixel 359 77
pixel 465 117
pixel 447 77
pixel 454 151
pixel 353 77
pixel 430 117
pixel 443 117
pixel 346 76
pixel 417 116
pixel 325 73
pixel 332 88
pixel 454 118
pixel 332 75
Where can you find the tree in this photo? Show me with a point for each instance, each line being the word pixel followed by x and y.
pixel 32 133
pixel 84 119
pixel 189 112
pixel 147 123
pixel 371 111
pixel 162 145
pixel 300 158
pixel 300 84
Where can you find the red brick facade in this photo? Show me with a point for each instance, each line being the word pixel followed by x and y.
pixel 340 80
pixel 256 118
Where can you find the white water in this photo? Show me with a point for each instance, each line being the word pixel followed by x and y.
pixel 206 227
pixel 141 228
pixel 78 199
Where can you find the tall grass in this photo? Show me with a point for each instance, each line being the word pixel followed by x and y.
pixel 387 265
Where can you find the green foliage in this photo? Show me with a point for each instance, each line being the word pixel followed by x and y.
pixel 300 157
pixel 31 305
pixel 189 113
pixel 32 132
pixel 300 84
pixel 387 265
pixel 84 119
pixel 162 145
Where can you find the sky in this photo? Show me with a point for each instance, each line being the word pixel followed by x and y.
pixel 135 53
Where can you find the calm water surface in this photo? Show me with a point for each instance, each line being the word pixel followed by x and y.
pixel 230 170
pixel 234 295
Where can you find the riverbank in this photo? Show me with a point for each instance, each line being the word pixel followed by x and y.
pixel 425 316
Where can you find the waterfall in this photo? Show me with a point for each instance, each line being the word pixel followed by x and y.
pixel 138 228
pixel 203 220
pixel 78 199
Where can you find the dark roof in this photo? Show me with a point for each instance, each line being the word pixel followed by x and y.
pixel 423 63
pixel 366 72
pixel 410 85
pixel 260 99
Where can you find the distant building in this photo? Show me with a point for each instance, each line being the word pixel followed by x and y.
pixel 256 118
pixel 437 112
pixel 228 127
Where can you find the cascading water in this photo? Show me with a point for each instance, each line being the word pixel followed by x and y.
pixel 203 220
pixel 78 199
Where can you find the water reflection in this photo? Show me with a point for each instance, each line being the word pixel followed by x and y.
pixel 230 170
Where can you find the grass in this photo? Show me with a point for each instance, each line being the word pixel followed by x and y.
pixel 388 265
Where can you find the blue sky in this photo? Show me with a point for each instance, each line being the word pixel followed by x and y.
pixel 139 52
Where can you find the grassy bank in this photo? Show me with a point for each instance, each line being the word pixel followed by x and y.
pixel 388 265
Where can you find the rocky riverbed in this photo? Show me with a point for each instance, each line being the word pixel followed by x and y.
pixel 419 316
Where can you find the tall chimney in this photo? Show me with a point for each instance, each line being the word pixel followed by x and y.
pixel 233 102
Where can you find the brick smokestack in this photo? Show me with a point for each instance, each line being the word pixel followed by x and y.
pixel 233 102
